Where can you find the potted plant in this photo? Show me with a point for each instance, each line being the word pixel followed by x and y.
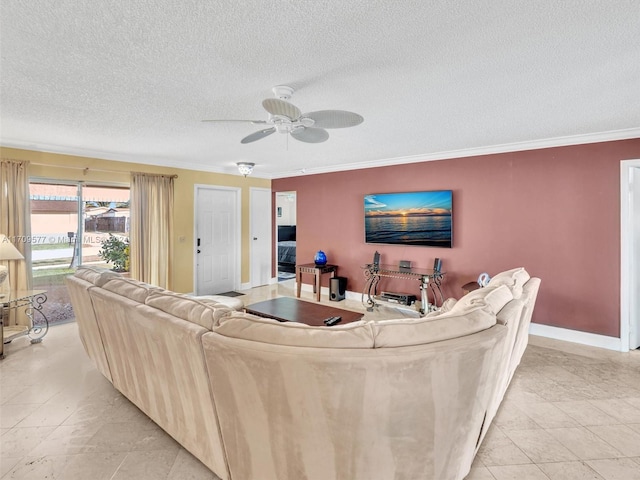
pixel 116 250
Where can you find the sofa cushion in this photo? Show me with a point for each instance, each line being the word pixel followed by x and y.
pixel 131 289
pixel 98 276
pixel 510 314
pixel 492 298
pixel 204 313
pixel 251 327
pixel 514 279
pixel 447 325
pixel 231 302
pixel 447 305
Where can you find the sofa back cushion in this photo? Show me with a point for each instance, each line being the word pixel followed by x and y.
pixel 96 275
pixel 447 305
pixel 234 303
pixel 452 324
pixel 491 298
pixel 204 313
pixel 251 327
pixel 131 289
pixel 88 329
pixel 514 279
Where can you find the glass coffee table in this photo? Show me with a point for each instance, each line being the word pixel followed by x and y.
pixel 287 309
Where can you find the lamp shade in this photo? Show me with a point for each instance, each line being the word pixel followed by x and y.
pixel 245 168
pixel 7 250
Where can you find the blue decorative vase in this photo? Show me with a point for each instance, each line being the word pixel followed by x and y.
pixel 321 258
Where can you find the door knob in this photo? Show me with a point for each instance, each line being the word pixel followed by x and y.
pixel 255 238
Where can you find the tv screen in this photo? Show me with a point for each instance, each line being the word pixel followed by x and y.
pixel 412 218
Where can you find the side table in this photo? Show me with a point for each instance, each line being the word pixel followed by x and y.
pixel 470 287
pixel 32 301
pixel 318 271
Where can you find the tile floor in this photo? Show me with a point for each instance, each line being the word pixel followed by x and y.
pixel 571 412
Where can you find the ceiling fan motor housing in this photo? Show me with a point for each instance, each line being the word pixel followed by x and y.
pixel 282 92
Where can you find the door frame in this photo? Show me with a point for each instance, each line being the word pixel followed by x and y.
pixel 238 257
pixel 252 281
pixel 628 275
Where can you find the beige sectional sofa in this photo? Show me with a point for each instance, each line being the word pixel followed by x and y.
pixel 256 399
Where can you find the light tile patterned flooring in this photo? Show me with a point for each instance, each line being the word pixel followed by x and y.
pixel 571 412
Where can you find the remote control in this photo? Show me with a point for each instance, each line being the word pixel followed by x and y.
pixel 332 321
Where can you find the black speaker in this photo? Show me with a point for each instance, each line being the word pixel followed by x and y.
pixel 437 265
pixel 337 288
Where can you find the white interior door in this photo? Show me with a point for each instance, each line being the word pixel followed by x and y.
pixel 634 309
pixel 217 233
pixel 629 254
pixel 260 236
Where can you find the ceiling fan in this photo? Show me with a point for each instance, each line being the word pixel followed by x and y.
pixel 285 117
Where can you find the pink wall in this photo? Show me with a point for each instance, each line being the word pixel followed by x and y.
pixel 554 211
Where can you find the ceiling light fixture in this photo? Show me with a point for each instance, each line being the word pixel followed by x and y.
pixel 245 168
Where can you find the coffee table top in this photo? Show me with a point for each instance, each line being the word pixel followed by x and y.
pixel 287 309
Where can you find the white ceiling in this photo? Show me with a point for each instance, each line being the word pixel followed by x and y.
pixel 131 80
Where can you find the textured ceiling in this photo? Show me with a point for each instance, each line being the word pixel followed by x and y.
pixel 131 80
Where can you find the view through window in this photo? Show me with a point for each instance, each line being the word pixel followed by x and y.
pixel 74 224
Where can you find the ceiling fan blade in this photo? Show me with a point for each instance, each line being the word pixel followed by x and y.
pixel 310 135
pixel 275 106
pixel 255 122
pixel 258 135
pixel 334 118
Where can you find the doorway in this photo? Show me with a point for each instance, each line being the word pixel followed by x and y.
pixel 217 233
pixel 630 255
pixel 286 235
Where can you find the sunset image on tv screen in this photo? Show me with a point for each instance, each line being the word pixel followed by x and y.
pixel 412 218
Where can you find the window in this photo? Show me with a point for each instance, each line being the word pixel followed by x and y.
pixel 69 222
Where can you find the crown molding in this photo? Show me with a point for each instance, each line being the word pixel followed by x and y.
pixel 613 135
pixel 624 134
pixel 124 158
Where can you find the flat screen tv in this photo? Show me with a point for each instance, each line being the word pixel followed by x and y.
pixel 411 218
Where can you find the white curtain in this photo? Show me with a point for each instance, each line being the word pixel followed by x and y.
pixel 15 223
pixel 152 228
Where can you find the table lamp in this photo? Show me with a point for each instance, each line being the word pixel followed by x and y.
pixel 7 252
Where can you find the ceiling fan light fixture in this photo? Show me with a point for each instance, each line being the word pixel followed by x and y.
pixel 307 122
pixel 245 168
pixel 286 118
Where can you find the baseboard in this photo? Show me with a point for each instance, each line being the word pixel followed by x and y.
pixel 357 297
pixel 547 331
pixel 575 336
pixel 353 295
pixel 307 287
pixel 348 295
